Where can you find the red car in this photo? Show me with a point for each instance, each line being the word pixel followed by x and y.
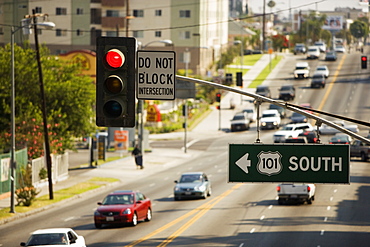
pixel 123 207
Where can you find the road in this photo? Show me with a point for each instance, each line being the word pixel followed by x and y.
pixel 245 214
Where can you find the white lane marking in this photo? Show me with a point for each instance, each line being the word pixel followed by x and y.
pixel 262 217
pixel 328 208
pixel 335 191
pixel 152 185
pixel 241 245
pixel 166 178
pixel 270 207
pixel 322 232
pixel 252 231
pixel 69 218
pixel 170 196
pixel 331 198
pixel 191 143
pixel 326 219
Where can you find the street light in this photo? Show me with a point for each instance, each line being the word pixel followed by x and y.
pixel 140 108
pixel 25 23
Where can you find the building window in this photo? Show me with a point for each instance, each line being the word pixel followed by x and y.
pixel 158 34
pixel 80 11
pixel 38 10
pixel 61 11
pixel 95 16
pixel 138 34
pixel 184 35
pixel 138 13
pixel 158 12
pixel 112 13
pixel 184 13
pixel 80 32
pixel 61 32
pixel 1 31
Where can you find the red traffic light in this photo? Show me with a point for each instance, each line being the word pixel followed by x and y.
pixel 115 58
pixel 363 58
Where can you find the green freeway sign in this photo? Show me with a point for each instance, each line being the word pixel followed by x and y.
pixel 303 163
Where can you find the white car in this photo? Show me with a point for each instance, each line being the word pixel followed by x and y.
pixel 55 237
pixel 340 48
pixel 321 45
pixel 239 122
pixel 313 52
pixel 291 130
pixel 270 119
pixel 322 70
pixel 328 130
pixel 302 70
pixel 251 114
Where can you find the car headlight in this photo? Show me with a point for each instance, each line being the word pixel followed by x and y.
pixel 275 123
pixel 200 188
pixel 263 123
pixel 177 188
pixel 127 211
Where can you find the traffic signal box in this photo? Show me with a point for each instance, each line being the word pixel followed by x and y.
pixel 115 81
pixel 364 62
pixel 218 97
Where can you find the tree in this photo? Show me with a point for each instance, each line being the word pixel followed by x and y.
pixel 359 29
pixel 70 98
pixel 279 42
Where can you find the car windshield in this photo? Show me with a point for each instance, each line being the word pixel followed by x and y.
pixel 191 178
pixel 312 49
pixel 248 110
pixel 47 239
pixel 285 88
pixel 321 68
pixel 287 128
pixel 238 117
pixel 261 89
pixel 301 67
pixel 296 114
pixel 317 76
pixel 268 115
pixel 118 199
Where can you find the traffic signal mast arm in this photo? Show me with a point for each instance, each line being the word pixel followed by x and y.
pixel 283 104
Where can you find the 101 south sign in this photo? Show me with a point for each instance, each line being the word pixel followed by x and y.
pixel 316 163
pixel 156 75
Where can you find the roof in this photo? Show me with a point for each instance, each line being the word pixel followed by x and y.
pixel 52 230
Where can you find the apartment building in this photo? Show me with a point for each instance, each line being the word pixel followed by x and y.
pixel 195 27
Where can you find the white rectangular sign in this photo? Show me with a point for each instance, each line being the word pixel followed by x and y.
pixel 156 74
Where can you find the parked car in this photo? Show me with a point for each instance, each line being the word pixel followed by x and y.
pixel 263 91
pixel 325 129
pixel 192 185
pixel 251 114
pixel 299 139
pixel 321 45
pixel 291 130
pixel 298 118
pixel 318 80
pixel 313 52
pixel 287 92
pixel 340 138
pixel 299 48
pixel 331 56
pixel 322 69
pixel 123 207
pixel 302 70
pixel 239 122
pixel 270 119
pixel 281 110
pixel 55 237
pixel 311 136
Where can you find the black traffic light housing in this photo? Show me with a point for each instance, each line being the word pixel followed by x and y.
pixel 364 62
pixel 239 79
pixel 218 97
pixel 115 81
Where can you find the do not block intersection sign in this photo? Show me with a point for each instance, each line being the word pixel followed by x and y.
pixel 317 163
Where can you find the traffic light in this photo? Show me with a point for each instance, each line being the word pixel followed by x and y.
pixel 218 97
pixel 229 78
pixel 364 62
pixel 115 81
pixel 239 79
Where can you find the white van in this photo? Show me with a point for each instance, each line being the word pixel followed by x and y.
pixel 313 52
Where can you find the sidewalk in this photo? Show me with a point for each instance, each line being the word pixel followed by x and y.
pixel 160 159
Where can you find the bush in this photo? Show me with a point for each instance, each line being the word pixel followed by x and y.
pixel 27 193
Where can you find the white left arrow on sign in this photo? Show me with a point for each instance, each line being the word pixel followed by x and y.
pixel 244 163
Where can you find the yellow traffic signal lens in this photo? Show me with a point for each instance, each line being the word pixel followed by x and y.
pixel 115 58
pixel 114 84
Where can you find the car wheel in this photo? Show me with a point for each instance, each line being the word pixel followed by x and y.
pixel 134 220
pixel 176 198
pixel 97 225
pixel 280 201
pixel 309 201
pixel 148 215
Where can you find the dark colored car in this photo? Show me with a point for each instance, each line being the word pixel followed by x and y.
pixel 287 92
pixel 263 91
pixel 311 136
pixel 299 139
pixel 331 56
pixel 298 118
pixel 340 139
pixel 281 110
pixel 192 185
pixel 123 207
pixel 299 48
pixel 318 80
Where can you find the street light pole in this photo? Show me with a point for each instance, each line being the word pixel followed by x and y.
pixel 12 152
pixel 43 109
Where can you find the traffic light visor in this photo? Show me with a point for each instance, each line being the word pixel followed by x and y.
pixel 114 84
pixel 115 58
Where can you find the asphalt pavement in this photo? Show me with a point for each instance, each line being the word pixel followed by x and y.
pixel 159 158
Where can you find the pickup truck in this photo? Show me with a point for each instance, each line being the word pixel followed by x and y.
pixel 358 149
pixel 296 192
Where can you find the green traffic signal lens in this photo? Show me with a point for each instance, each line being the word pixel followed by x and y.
pixel 114 84
pixel 113 109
